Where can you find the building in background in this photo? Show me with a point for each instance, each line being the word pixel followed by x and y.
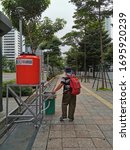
pixel 11 43
pixel 109 26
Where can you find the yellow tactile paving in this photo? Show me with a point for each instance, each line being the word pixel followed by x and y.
pixel 102 100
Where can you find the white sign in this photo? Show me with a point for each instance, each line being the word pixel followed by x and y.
pixel 24 61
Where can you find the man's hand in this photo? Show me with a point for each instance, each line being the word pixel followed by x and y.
pixel 53 91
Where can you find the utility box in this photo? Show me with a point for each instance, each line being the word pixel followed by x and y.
pixel 28 69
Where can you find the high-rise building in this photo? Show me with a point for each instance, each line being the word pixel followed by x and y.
pixel 109 26
pixel 11 43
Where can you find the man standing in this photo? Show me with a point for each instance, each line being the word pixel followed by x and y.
pixel 68 99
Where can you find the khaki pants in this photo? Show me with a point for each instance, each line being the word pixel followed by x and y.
pixel 68 99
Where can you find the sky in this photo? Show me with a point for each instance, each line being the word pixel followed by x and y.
pixel 61 9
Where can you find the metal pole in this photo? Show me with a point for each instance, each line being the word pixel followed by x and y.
pixel 42 66
pixel 20 28
pixel 20 11
pixel 101 47
pixel 47 65
pixel 1 102
pixel 85 56
pixel 7 104
pixel 101 43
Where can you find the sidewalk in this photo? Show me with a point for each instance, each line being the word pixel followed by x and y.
pixel 92 128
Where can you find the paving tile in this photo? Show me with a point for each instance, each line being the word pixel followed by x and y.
pixel 59 148
pixel 80 133
pixel 101 143
pixel 92 127
pixel 85 143
pixel 88 148
pixel 100 122
pixel 70 143
pixel 56 127
pixel 54 143
pixel 36 148
pixel 40 143
pixel 104 149
pixel 71 148
pixel 67 133
pixel 89 121
pixel 78 121
pixel 41 140
pixel 97 117
pixel 106 127
pixel 108 134
pixel 97 134
pixel 80 127
pixel 67 127
pixel 110 141
pixel 55 134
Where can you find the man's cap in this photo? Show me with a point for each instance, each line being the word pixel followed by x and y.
pixel 68 70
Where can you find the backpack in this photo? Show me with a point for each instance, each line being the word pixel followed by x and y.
pixel 74 85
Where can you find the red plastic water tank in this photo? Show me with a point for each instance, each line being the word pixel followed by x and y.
pixel 27 69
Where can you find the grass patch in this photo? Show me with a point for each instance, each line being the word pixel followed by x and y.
pixel 105 89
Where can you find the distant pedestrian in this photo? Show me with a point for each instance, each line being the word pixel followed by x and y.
pixel 82 75
pixel 68 99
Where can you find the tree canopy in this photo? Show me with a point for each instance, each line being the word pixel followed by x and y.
pixel 85 38
pixel 31 14
pixel 32 9
pixel 44 30
pixel 53 47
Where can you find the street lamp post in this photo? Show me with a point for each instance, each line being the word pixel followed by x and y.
pixel 47 65
pixel 20 11
pixel 47 61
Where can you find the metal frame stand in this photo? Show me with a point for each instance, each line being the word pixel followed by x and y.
pixel 105 74
pixel 35 108
pixel 32 114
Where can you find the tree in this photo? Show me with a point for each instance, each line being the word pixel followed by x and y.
pixel 39 31
pixel 32 10
pixel 90 43
pixel 73 59
pixel 88 14
pixel 53 45
pixel 49 28
pixel 4 63
pixel 31 16
pixel 108 55
pixel 8 65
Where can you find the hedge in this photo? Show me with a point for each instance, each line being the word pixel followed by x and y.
pixel 26 91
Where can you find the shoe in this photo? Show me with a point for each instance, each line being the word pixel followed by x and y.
pixel 62 118
pixel 71 120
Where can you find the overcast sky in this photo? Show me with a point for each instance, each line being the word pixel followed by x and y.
pixel 61 9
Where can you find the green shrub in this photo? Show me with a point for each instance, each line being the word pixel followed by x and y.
pixel 26 91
